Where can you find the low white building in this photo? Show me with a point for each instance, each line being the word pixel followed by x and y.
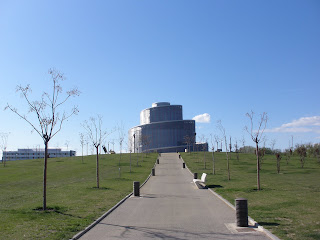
pixel 23 154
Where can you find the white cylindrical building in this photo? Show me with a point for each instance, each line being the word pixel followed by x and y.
pixel 162 129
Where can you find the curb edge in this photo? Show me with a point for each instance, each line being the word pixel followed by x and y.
pixel 88 228
pixel 250 219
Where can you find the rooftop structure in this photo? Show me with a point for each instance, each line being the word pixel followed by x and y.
pixel 162 129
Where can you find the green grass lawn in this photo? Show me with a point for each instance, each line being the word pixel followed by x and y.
pixel 71 192
pixel 288 204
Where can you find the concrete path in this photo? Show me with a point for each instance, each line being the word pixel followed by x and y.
pixel 170 206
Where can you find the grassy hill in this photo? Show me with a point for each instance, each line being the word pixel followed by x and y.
pixel 71 193
pixel 288 203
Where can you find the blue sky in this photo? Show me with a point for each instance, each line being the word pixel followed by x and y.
pixel 223 58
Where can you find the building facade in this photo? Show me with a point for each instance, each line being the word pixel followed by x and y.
pixel 162 129
pixel 23 154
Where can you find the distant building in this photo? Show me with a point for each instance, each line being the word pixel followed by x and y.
pixel 162 129
pixel 23 154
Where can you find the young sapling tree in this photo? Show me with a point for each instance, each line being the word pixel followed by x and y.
pixel 4 143
pixel 121 139
pixel 82 143
pixel 256 136
pixel 237 150
pixel 224 137
pixel 213 162
pixel 96 135
pixel 278 156
pixel 49 115
pixel 302 152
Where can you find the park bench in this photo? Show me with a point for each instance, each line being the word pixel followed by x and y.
pixel 200 183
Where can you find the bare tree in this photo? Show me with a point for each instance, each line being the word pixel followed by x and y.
pixel 302 152
pixel 112 142
pixel 86 141
pixel 204 141
pixel 193 139
pixel 82 143
pixel 288 155
pixel 96 136
pixel 130 142
pixel 224 137
pixel 121 139
pixel 243 141
pixel 3 144
pixel 135 148
pixel 273 144
pixel 49 117
pixel 256 136
pixel 237 149
pixel 261 154
pixel 213 162
pixel 262 151
pixel 188 140
pixel 145 142
pixel 278 156
pixel 217 140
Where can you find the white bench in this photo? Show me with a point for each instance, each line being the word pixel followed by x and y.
pixel 200 183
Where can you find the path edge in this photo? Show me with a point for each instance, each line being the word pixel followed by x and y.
pixel 88 228
pixel 251 220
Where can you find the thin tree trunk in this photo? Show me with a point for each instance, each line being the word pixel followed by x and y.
pixel 97 148
pixel 213 164
pixel 45 176
pixel 120 165
pixel 82 153
pixel 228 167
pixel 258 167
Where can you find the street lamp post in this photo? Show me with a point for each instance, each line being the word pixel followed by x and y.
pixel 134 143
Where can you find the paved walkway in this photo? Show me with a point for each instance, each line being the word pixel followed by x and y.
pixel 172 207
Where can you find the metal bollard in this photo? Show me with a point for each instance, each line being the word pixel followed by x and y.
pixel 183 165
pixel 153 172
pixel 136 189
pixel 242 212
pixel 195 175
pixel 158 161
pixel 179 156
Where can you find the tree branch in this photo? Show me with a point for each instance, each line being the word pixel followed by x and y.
pixel 24 118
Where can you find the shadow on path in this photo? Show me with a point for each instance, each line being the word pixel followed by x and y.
pixel 163 233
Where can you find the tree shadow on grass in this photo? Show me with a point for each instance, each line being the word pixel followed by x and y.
pixel 100 188
pixel 55 209
pixel 256 190
pixel 48 209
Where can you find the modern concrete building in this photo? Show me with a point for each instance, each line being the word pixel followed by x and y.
pixel 162 129
pixel 23 154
